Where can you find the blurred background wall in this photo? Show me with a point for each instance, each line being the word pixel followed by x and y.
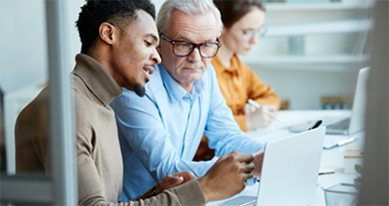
pixel 310 53
pixel 302 68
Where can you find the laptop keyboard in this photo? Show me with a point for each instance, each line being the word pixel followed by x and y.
pixel 342 125
pixel 251 203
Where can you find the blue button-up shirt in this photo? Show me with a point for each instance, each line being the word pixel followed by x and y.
pixel 159 134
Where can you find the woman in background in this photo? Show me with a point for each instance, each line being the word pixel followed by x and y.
pixel 242 20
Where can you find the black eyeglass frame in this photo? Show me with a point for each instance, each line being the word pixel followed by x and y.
pixel 173 42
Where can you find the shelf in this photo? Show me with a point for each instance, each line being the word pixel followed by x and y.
pixel 310 22
pixel 328 63
pixel 329 27
pixel 317 6
pixel 293 59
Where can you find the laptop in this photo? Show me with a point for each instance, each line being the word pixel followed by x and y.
pixel 353 124
pixel 289 172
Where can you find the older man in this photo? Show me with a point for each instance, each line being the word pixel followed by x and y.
pixel 160 133
pixel 118 50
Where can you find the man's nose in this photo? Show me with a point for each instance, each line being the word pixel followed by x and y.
pixel 155 57
pixel 195 56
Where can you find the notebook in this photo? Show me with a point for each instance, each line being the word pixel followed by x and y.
pixel 289 171
pixel 353 124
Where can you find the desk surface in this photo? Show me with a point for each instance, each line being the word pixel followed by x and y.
pixel 330 158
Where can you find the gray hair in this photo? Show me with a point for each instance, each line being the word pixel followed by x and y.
pixel 191 7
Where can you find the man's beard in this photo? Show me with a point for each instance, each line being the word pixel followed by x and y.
pixel 139 89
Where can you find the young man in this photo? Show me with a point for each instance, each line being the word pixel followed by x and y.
pixel 160 133
pixel 118 50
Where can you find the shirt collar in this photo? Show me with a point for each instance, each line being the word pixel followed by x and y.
pixel 234 68
pixel 98 80
pixel 175 91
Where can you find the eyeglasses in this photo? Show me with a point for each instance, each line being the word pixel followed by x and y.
pixel 185 48
pixel 251 33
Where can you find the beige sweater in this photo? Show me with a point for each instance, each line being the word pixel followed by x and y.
pixel 99 160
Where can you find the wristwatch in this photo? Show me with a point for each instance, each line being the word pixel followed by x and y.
pixel 153 191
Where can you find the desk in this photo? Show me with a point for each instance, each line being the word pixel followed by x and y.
pixel 330 158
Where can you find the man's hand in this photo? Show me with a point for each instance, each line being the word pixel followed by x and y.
pixel 227 177
pixel 259 118
pixel 170 181
pixel 258 161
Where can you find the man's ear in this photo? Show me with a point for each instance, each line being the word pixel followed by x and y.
pixel 108 32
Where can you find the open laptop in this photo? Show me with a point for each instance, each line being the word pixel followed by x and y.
pixel 289 172
pixel 353 124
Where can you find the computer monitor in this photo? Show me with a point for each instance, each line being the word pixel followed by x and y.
pixel 350 125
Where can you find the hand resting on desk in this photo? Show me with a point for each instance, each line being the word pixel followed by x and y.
pixel 259 118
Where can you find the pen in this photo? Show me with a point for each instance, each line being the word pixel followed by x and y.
pixel 316 125
pixel 326 171
pixel 340 143
pixel 254 104
pixel 257 106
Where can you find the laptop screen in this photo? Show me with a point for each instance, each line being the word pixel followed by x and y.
pixel 357 122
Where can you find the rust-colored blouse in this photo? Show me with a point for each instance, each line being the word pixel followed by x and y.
pixel 238 84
